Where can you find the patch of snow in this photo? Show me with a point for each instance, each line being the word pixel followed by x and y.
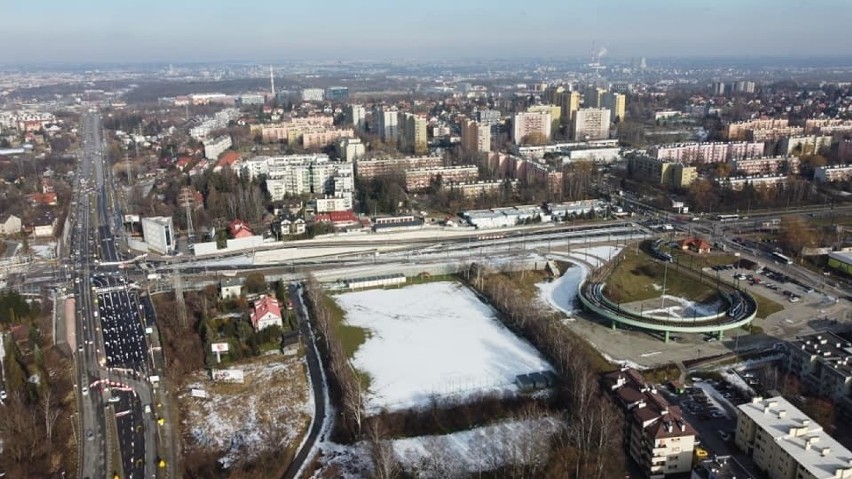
pixel 431 341
pixel 621 362
pixel 561 293
pixel 45 251
pixel 717 400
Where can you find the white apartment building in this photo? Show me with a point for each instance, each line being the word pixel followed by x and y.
pixel 709 152
pixel 158 232
pixel 218 121
pixel 313 94
pixel 216 146
pixel 333 203
pixel 351 149
pixel 787 444
pixel 528 123
pixel 302 174
pixel 766 166
pixel 737 183
pixel 591 124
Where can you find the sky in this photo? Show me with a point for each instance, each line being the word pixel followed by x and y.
pixel 72 31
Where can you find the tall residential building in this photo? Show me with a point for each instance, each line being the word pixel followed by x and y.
pixel 591 124
pixel 337 94
pixel 657 435
pixel 526 124
pixel 593 98
pixel 787 444
pixel 616 103
pixel 216 146
pixel 412 133
pixel 554 110
pixel 355 115
pixel 475 136
pixel 386 124
pixel 662 172
pixel 719 88
pixel 351 149
pixel 159 234
pixel 570 103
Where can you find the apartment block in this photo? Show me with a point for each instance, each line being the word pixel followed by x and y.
pixel 386 124
pixel 766 166
pixel 475 137
pixel 320 137
pixel 662 172
pixel 554 110
pixel 774 134
pixel 372 168
pixel 301 174
pixel 412 133
pixel 570 103
pixel 159 234
pixel 355 115
pixel 831 173
pixel 742 129
pixel 216 146
pixel 616 103
pixel 738 183
pixel 707 152
pixel 420 179
pixel 482 188
pixel 351 149
pixel 787 444
pixel 828 126
pixel 804 145
pixel 524 169
pixel 823 362
pixel 526 124
pixel 313 94
pixel 657 435
pixel 292 130
pixel 591 124
pixel 593 97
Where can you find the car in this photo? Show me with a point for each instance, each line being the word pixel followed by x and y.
pixel 85 390
pixel 114 399
pixel 724 435
pixel 711 339
pixel 3 395
pixel 90 435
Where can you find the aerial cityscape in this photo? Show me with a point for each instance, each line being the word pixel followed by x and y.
pixel 371 240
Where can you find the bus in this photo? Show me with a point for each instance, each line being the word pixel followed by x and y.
pixel 727 217
pixel 781 258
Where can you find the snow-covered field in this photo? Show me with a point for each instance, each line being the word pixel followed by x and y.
pixel 460 454
pixel 45 251
pixel 272 409
pixel 433 341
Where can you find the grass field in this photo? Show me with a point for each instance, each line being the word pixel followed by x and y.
pixel 351 337
pixel 637 277
pixel 765 306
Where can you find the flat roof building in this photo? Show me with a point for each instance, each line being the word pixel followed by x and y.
pixel 787 444
pixel 158 232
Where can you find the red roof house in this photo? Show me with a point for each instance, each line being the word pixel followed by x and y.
pixel 239 229
pixel 697 245
pixel 266 313
pixel 338 219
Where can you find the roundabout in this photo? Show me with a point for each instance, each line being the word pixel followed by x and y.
pixel 733 308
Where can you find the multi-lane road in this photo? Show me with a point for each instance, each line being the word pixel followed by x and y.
pixel 117 418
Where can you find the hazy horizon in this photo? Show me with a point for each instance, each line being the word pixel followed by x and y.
pixel 196 31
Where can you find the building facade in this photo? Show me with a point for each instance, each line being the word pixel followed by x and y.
pixel 832 173
pixel 707 152
pixel 159 234
pixel 526 124
pixel 420 179
pixel 216 146
pixel 616 103
pixel 787 444
pixel 412 133
pixel 372 168
pixel 658 437
pixel 662 172
pixel 386 124
pixel 766 166
pixel 591 124
pixel 475 137
pixel 355 115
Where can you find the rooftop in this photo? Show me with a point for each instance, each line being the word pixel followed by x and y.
pixel 798 435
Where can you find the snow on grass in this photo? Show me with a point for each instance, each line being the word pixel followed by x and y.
pixel 561 294
pixel 271 410
pixel 481 449
pixel 685 309
pixel 596 255
pixel 45 251
pixel 434 340
pixel 459 454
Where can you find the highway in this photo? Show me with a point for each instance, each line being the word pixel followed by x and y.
pixel 117 420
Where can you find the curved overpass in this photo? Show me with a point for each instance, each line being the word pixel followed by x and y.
pixel 741 310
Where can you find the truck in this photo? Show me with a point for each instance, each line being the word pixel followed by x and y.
pixel 153 276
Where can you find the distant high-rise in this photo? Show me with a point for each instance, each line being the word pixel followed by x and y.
pixel 593 97
pixel 527 124
pixel 719 88
pixel 355 115
pixel 476 137
pixel 271 83
pixel 413 133
pixel 337 94
pixel 313 94
pixel 386 124
pixel 643 63
pixel 591 124
pixel 616 103
pixel 570 104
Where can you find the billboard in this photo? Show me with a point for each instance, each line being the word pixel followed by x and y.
pixel 228 375
pixel 219 347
